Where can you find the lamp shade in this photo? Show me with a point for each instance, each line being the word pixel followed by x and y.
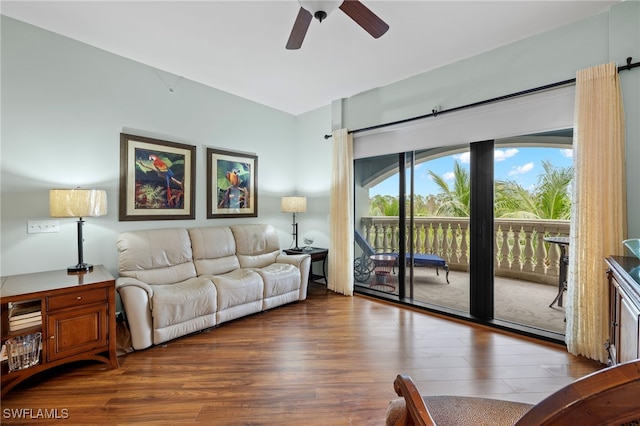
pixel 294 204
pixel 77 202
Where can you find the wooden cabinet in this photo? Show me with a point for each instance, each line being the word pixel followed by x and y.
pixel 78 318
pixel 624 309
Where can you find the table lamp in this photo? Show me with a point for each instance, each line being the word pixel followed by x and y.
pixel 294 205
pixel 78 203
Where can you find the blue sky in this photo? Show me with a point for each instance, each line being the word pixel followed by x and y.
pixel 520 164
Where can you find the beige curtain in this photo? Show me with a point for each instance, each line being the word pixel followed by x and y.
pixel 598 218
pixel 341 215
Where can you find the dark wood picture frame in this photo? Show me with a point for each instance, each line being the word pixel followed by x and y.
pixel 157 179
pixel 232 184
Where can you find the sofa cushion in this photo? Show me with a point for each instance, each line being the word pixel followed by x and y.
pixel 214 250
pixel 183 301
pixel 257 245
pixel 157 256
pixel 279 278
pixel 237 287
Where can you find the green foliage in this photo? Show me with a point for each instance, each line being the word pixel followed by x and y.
pixel 550 199
pixel 455 201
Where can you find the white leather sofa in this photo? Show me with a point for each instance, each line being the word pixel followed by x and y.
pixel 177 281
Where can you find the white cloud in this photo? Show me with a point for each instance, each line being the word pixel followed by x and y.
pixel 503 154
pixel 498 155
pixel 449 176
pixel 464 157
pixel 567 153
pixel 520 170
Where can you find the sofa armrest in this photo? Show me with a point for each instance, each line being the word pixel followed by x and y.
pixel 136 298
pixel 303 263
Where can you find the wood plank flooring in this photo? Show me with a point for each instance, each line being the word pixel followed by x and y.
pixel 330 360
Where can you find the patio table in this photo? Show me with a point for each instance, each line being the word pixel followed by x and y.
pixel 563 243
pixel 383 265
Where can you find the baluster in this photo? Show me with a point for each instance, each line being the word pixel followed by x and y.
pixel 419 239
pixel 368 231
pixel 517 251
pixel 385 238
pixel 504 250
pixel 453 256
pixel 496 248
pixel 394 237
pixel 378 244
pixel 464 246
pixel 541 253
pixel 554 260
pixel 446 230
pixel 426 246
pixel 528 249
pixel 435 247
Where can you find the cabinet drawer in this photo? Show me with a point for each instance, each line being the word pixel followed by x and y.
pixel 79 298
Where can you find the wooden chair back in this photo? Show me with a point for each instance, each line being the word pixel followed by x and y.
pixel 610 396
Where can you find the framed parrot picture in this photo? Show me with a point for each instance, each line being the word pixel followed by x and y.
pixel 157 179
pixel 232 184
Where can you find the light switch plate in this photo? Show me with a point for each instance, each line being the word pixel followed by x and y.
pixel 42 226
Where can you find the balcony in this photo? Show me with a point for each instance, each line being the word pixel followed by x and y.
pixel 526 268
pixel 520 250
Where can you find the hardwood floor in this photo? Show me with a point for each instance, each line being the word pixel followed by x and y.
pixel 330 360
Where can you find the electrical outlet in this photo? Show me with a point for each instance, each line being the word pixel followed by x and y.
pixel 42 226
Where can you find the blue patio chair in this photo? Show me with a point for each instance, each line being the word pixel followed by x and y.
pixel 364 266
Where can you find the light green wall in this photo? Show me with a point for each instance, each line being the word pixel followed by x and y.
pixel 553 56
pixel 64 105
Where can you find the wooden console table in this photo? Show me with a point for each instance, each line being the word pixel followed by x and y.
pixel 78 318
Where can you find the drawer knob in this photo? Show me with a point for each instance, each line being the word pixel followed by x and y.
pixel 79 298
pixel 52 337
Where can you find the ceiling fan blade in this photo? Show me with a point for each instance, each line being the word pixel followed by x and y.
pixel 299 29
pixel 364 17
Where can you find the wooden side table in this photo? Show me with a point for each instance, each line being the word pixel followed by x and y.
pixel 317 255
pixel 78 318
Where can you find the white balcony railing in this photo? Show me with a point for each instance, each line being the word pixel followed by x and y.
pixel 519 248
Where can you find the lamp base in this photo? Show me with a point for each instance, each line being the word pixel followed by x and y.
pixel 79 268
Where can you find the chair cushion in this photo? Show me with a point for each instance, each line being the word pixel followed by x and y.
pixel 427 260
pixel 464 410
pixel 237 288
pixel 257 245
pixel 180 302
pixel 214 250
pixel 156 256
pixel 279 278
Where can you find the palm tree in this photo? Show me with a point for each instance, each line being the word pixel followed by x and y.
pixel 384 205
pixel 550 199
pixel 454 202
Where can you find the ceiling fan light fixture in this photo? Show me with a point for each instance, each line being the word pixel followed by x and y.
pixel 320 9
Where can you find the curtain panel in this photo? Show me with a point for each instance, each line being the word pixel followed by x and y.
pixel 598 217
pixel 341 230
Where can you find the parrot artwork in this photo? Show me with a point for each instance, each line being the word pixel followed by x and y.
pixel 235 195
pixel 165 171
pixel 233 177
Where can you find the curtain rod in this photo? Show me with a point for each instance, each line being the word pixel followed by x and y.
pixel 435 112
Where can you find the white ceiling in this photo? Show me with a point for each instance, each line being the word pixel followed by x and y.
pixel 239 46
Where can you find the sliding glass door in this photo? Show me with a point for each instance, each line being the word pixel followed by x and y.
pixel 448 230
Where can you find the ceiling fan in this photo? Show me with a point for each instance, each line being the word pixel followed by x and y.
pixel 320 9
